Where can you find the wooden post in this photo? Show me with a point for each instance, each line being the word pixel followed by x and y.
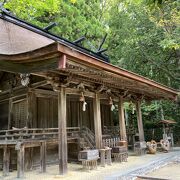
pixel 122 120
pixel 97 121
pixel 20 162
pixel 62 131
pixel 10 113
pixel 30 107
pixel 6 156
pixel 43 156
pixel 139 120
pixel 34 111
pixel 102 157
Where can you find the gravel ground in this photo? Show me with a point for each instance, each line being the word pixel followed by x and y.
pixel 136 165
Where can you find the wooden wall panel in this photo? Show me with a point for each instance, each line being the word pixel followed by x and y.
pixel 106 115
pixel 4 115
pixel 76 116
pixel 47 112
pixel 42 112
pixel 55 112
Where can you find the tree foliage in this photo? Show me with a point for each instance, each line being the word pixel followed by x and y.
pixel 144 38
pixel 140 42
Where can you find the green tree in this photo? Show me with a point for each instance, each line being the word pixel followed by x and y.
pixel 138 38
pixel 144 41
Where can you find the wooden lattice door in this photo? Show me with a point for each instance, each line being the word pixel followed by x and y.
pixel 19 114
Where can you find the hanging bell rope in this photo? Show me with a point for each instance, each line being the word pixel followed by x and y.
pixel 111 103
pixel 84 106
pixel 132 106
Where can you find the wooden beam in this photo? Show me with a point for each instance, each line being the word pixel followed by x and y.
pixel 122 120
pixel 78 92
pixel 38 92
pixel 139 120
pixel 97 121
pixel 32 67
pixel 119 84
pixel 39 84
pixel 62 131
pixel 91 61
pixel 62 62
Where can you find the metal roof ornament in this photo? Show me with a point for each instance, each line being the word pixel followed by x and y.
pixel 2 9
pixel 78 41
pixel 50 26
pixel 100 50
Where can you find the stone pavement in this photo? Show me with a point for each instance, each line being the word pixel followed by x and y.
pixel 149 164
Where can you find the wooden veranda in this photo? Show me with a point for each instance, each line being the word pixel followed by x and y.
pixel 51 88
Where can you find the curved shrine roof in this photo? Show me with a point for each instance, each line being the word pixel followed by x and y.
pixel 25 48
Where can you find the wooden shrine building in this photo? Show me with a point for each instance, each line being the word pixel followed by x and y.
pixel 54 93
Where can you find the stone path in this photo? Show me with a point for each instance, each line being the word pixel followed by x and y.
pixel 149 165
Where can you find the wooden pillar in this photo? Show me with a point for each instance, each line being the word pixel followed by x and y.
pixel 34 111
pixel 139 121
pixel 43 156
pixel 122 123
pixel 97 121
pixel 6 158
pixel 20 162
pixel 30 108
pixel 10 113
pixel 62 131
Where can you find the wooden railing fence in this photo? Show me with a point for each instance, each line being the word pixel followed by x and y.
pixel 111 142
pixel 36 133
